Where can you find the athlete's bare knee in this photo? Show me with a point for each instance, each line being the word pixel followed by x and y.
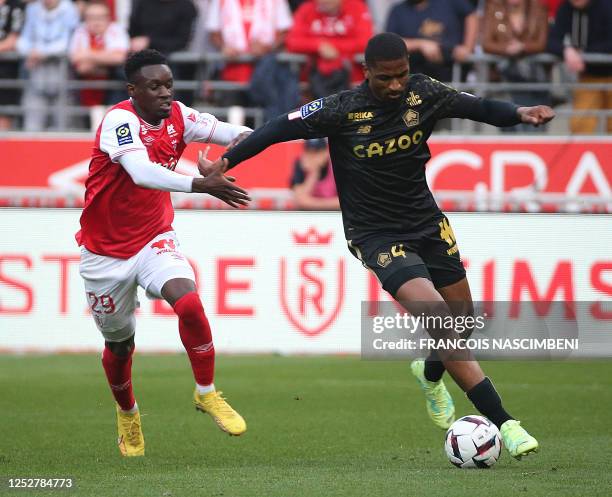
pixel 177 288
pixel 121 349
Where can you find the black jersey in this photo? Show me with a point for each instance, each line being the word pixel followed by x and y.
pixel 379 149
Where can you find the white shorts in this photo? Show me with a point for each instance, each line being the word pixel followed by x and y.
pixel 111 284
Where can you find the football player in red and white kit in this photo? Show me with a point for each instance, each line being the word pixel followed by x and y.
pixel 127 240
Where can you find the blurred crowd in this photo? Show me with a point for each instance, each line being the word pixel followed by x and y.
pixel 97 35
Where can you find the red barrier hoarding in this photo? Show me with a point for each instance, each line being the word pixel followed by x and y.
pixel 486 166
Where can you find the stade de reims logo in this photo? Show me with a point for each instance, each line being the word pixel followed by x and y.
pixel 312 282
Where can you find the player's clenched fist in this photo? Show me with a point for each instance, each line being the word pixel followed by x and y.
pixel 539 114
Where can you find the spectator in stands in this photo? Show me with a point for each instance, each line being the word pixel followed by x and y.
pixel 247 27
pixel 98 49
pixel 166 26
pixel 332 32
pixel 313 180
pixel 11 22
pixel 513 29
pixel 43 42
pixel 585 26
pixel 437 33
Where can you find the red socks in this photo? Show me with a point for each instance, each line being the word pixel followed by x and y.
pixel 197 340
pixel 196 337
pixel 119 374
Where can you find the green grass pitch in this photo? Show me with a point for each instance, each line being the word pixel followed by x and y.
pixel 317 426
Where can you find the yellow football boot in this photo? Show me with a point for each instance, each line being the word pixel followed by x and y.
pixel 222 413
pixel 131 442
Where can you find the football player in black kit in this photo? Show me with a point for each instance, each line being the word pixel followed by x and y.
pixel 377 136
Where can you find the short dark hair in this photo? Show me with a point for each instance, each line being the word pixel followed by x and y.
pixel 385 46
pixel 136 61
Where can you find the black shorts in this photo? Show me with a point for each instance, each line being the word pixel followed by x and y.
pixel 431 253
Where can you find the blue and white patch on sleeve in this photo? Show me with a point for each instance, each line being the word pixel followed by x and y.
pixel 124 135
pixel 310 108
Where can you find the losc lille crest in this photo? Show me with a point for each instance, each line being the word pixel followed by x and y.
pixel 312 282
pixel 411 118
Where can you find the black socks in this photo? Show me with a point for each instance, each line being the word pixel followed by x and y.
pixel 486 399
pixel 434 368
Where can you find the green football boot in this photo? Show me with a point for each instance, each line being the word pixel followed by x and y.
pixel 516 439
pixel 440 405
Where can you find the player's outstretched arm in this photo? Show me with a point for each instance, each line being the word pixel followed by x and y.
pixel 205 128
pixel 497 112
pixel 279 129
pixel 316 119
pixel 147 174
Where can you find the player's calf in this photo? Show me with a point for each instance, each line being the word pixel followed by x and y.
pixel 118 370
pixel 197 339
pixel 196 336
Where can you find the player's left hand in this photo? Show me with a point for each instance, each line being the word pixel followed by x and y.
pixel 204 163
pixel 207 167
pixel 536 115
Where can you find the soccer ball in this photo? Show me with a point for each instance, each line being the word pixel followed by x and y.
pixel 473 442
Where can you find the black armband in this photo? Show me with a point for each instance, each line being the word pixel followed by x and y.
pixel 494 112
pixel 279 129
